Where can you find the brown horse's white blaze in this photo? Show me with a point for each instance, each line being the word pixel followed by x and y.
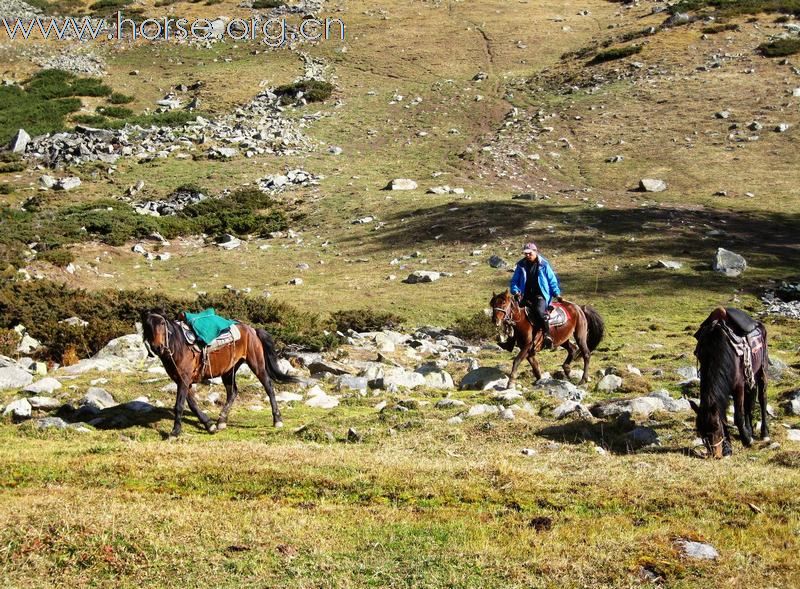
pixel 165 339
pixel 583 323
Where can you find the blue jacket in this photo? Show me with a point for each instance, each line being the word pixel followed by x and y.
pixel 548 283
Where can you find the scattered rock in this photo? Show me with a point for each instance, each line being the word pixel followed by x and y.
pixel 19 409
pixel 652 185
pixel 728 263
pixel 697 550
pixel 401 184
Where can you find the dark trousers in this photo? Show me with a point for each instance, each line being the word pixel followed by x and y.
pixel 539 308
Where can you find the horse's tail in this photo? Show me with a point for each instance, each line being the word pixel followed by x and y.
pixel 595 328
pixel 271 359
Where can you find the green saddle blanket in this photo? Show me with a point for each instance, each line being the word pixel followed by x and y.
pixel 207 324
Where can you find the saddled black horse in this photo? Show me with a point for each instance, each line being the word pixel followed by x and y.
pixel 732 351
pixel 184 364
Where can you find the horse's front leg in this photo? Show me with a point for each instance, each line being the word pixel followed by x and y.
pixel 584 348
pixel 523 353
pixel 762 403
pixel 195 407
pixel 739 417
pixel 571 350
pixel 180 402
pixel 537 373
pixel 231 391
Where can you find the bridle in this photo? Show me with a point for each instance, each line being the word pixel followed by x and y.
pixel 507 312
pixel 166 346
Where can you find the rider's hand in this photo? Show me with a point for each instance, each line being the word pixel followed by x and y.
pixel 559 299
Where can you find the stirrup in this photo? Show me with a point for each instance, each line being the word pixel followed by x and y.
pixel 547 342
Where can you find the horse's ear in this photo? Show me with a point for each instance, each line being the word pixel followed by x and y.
pixel 507 292
pixel 695 406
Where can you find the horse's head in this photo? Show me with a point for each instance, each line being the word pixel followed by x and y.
pixel 710 428
pixel 154 332
pixel 501 307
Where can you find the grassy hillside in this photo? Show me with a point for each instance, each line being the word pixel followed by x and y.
pixel 419 502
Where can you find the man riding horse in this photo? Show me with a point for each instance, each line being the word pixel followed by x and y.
pixel 535 285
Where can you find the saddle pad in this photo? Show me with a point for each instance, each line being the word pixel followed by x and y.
pixel 558 316
pixel 225 338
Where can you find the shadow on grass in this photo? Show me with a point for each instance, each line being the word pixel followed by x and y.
pixel 767 239
pixel 611 436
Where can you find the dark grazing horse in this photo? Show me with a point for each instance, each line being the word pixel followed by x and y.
pixel 583 322
pixel 724 341
pixel 184 364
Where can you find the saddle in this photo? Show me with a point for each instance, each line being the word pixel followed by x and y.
pixel 212 325
pixel 556 312
pixel 740 321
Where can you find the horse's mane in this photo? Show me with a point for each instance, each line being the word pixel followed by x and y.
pixel 718 367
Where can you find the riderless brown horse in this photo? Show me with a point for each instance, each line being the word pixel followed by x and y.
pixel 583 322
pixel 185 365
pixel 732 351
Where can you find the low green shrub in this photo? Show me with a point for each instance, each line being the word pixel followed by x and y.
pixel 116 112
pixel 312 90
pixel 90 120
pixel 731 8
pixel 6 188
pixel 475 327
pixel 780 48
pixel 119 98
pixel 616 53
pixel 261 4
pixel 720 28
pixel 9 340
pixel 58 257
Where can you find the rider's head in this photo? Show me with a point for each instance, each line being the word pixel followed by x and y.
pixel 530 251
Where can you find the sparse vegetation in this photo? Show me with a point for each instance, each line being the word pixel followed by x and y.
pixel 10 162
pixel 266 4
pixel 780 47
pixel 720 28
pixel 119 98
pixel 365 320
pixel 117 112
pixel 730 8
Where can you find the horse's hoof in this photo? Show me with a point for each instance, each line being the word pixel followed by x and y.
pixel 766 439
pixel 221 426
pixel 211 428
pixel 172 437
pixel 278 424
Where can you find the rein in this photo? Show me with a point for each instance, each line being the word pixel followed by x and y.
pixel 167 330
pixel 508 313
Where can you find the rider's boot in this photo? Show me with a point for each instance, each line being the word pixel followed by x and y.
pixel 547 341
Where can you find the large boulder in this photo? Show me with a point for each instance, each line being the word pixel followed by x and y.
pixel 480 378
pixel 19 409
pixel 128 347
pixel 435 377
pixel 728 263
pixel 560 389
pixel 45 385
pixel 14 377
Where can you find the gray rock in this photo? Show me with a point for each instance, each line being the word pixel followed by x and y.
pixel 67 183
pixel 776 368
pixel 19 142
pixel 420 276
pixel 229 242
pixel 448 403
pixel 48 422
pixel 138 406
pixel 456 420
pixel 641 407
pixel 128 347
pixel 28 345
pixel 670 404
pixel 643 436
pixel 481 409
pixel 669 264
pixel 687 373
pixel 401 184
pixel 14 377
pixel 507 414
pixel 288 397
pixel 320 366
pixel 397 378
pixel 19 409
pixel 322 401
pixel 478 379
pixel 99 398
pixel 560 389
pixel 609 383
pixel 353 436
pixel 497 262
pixel 697 550
pixel 435 378
pixel 347 382
pixel 793 435
pixel 652 185
pixel 507 397
pixel 793 402
pixel 44 403
pixel 728 263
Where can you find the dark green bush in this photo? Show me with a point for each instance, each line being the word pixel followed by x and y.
pixel 6 188
pixel 119 98
pixel 49 84
pixel 244 212
pixel 9 340
pixel 259 4
pixel 780 48
pixel 475 327
pixel 616 53
pixel 721 28
pixel 365 320
pixel 40 305
pixel 737 7
pixel 117 112
pixel 313 91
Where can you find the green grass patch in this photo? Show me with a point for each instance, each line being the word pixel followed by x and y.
pixel 365 320
pixel 475 327
pixel 6 188
pixel 58 257
pixel 91 120
pixel 616 53
pixel 780 48
pixel 11 162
